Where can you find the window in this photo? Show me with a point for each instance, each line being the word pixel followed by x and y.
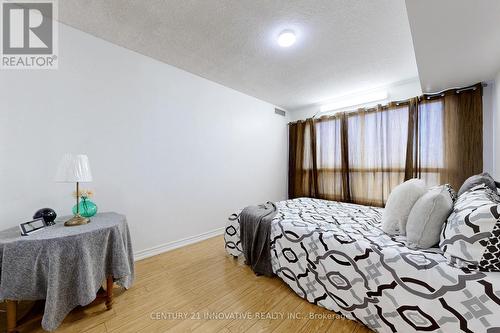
pixel 361 156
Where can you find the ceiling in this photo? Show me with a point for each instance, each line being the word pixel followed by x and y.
pixel 343 46
pixel 457 42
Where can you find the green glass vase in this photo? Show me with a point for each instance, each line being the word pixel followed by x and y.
pixel 87 208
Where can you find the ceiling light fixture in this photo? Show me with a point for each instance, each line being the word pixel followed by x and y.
pixel 286 38
pixel 354 100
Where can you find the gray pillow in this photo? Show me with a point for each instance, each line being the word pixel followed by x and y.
pixel 399 204
pixel 482 178
pixel 428 216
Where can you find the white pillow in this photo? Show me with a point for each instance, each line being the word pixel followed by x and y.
pixel 399 205
pixel 428 216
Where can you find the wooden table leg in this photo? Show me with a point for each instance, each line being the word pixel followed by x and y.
pixel 11 316
pixel 109 293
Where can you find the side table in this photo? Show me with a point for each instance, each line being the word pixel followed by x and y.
pixel 65 266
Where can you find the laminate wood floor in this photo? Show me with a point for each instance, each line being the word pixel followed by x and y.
pixel 198 288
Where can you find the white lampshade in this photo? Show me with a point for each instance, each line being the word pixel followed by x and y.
pixel 74 168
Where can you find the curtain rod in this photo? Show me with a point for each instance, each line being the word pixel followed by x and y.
pixel 427 96
pixel 458 90
pixel 441 93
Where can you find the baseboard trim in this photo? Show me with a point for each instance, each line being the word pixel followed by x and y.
pixel 155 250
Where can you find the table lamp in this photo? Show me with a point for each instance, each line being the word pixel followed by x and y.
pixel 74 169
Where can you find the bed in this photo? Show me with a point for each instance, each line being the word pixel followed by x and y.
pixel 336 255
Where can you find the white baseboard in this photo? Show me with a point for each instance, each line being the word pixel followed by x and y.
pixel 143 254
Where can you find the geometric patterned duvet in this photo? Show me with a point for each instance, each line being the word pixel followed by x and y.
pixel 336 255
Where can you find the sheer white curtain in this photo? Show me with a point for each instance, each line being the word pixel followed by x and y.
pixel 429 147
pixel 377 152
pixel 329 158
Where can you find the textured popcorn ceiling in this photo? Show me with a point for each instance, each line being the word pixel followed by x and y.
pixel 343 46
pixel 457 42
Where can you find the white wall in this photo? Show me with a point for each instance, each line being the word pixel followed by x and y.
pixel 496 122
pixel 174 152
pixel 488 132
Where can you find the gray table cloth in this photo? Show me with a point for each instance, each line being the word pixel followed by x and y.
pixel 65 265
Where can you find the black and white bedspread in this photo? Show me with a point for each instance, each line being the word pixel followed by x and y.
pixel 336 255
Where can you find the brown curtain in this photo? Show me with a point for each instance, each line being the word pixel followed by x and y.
pixel 361 156
pixel 302 171
pixel 463 135
pixel 412 163
pixel 447 146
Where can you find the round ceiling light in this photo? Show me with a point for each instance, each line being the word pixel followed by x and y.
pixel 286 38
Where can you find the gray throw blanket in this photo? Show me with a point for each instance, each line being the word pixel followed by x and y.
pixel 255 233
pixel 65 265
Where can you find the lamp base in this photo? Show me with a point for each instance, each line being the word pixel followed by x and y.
pixel 76 220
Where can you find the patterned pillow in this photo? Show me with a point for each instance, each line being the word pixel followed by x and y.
pixel 470 237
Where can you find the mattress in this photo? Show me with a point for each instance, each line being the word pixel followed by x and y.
pixel 336 255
